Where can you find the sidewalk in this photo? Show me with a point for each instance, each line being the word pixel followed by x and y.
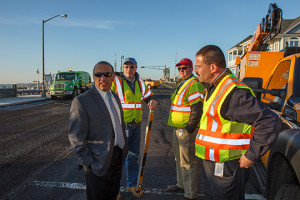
pixel 21 100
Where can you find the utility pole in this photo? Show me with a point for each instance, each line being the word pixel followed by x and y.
pixel 122 57
pixel 175 66
pixel 115 62
pixel 38 80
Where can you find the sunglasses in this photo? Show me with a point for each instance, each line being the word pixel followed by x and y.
pixel 106 74
pixel 131 67
pixel 182 68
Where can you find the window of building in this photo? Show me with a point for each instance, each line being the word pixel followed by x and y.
pixel 276 46
pixel 294 42
pixel 230 56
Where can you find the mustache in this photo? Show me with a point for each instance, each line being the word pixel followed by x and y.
pixel 103 82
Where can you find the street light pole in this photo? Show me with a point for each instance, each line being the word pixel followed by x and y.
pixel 43 22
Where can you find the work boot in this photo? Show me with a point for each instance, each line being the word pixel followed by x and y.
pixel 174 188
pixel 119 196
pixel 136 194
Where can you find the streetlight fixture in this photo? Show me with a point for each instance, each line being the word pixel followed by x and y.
pixel 43 22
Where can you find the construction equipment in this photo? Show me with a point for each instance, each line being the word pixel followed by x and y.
pixel 151 83
pixel 275 78
pixel 143 158
pixel 166 70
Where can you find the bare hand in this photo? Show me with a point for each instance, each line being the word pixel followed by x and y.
pixel 152 104
pixel 245 163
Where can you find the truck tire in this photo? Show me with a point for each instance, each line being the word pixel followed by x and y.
pixel 288 192
pixel 53 97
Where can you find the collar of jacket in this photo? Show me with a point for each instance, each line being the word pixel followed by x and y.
pixel 121 75
pixel 218 80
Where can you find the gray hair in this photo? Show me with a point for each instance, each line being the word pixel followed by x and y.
pixel 103 63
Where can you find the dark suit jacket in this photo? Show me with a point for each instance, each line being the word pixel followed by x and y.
pixel 91 131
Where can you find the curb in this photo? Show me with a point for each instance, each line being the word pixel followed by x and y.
pixel 23 102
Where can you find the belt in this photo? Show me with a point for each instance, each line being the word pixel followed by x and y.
pixel 133 123
pixel 118 148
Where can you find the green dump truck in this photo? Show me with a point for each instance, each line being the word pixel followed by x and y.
pixel 70 84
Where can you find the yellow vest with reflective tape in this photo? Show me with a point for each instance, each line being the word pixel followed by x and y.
pixel 218 139
pixel 189 93
pixel 131 103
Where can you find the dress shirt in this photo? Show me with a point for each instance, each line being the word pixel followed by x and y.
pixel 105 99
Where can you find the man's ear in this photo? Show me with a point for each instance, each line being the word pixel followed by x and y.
pixel 213 68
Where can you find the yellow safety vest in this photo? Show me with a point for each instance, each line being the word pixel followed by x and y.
pixel 189 93
pixel 131 103
pixel 218 139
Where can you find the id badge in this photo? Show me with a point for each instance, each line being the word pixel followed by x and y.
pixel 127 132
pixel 219 169
pixel 181 132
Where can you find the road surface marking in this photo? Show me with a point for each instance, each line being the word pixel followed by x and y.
pixel 81 186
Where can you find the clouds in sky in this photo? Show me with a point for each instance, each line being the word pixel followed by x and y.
pixel 97 24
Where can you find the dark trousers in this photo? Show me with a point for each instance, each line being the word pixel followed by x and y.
pixel 105 187
pixel 229 187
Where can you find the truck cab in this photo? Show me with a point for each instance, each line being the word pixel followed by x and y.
pixel 278 171
pixel 284 80
pixel 70 84
pixel 275 80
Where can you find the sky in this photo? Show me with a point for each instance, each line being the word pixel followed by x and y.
pixel 154 32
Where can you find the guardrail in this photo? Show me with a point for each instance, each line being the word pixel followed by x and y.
pixel 23 92
pixel 12 90
pixel 8 92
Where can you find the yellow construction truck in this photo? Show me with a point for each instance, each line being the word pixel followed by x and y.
pixel 151 83
pixel 275 78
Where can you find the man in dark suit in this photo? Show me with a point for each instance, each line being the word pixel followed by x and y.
pixel 97 134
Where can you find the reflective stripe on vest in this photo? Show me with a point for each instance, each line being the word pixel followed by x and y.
pixel 214 134
pixel 194 96
pixel 132 106
pixel 189 93
pixel 182 93
pixel 145 94
pixel 119 89
pixel 131 102
pixel 186 109
pixel 226 85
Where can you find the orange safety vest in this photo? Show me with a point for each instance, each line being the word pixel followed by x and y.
pixel 131 103
pixel 189 93
pixel 218 139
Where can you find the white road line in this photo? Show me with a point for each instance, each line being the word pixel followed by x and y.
pixel 81 186
pixel 75 186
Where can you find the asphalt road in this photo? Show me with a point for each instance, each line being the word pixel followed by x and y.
pixel 37 162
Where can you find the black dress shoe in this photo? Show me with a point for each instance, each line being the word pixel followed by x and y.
pixel 174 188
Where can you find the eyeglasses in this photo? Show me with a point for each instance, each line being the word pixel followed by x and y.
pixel 106 74
pixel 130 66
pixel 182 68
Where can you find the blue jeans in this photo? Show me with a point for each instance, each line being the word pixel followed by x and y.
pixel 132 159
